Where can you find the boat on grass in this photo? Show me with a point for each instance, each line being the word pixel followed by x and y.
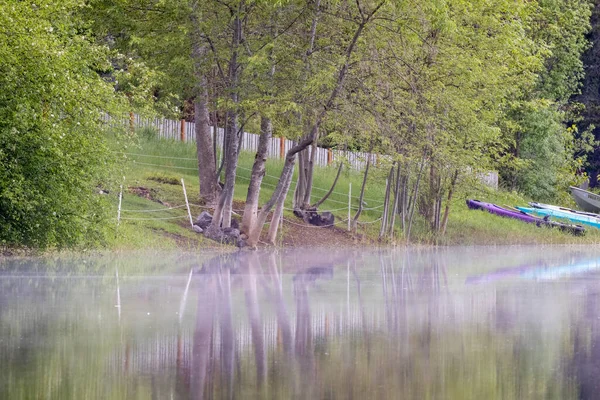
pixel 574 217
pixel 521 216
pixel 587 201
pixel 558 208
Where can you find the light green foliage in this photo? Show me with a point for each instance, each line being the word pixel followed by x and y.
pixel 53 157
pixel 445 88
pixel 543 147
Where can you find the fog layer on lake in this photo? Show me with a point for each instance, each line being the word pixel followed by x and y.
pixel 452 323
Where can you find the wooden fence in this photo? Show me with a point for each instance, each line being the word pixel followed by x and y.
pixel 277 147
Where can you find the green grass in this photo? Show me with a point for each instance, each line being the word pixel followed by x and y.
pixel 159 165
pixel 178 160
pixel 474 227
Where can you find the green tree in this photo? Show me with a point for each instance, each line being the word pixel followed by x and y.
pixel 536 121
pixel 53 153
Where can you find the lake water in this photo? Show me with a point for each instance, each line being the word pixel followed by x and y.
pixel 455 323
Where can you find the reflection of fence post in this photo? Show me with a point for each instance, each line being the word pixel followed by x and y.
pixel 281 146
pixel 329 156
pixel 349 203
pixel 182 132
pixel 187 204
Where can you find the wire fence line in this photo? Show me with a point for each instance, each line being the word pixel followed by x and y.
pixel 276 148
pixel 154 210
pixel 365 199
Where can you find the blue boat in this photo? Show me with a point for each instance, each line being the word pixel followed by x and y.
pixel 568 215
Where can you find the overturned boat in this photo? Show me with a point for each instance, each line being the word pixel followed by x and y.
pixel 559 208
pixel 575 217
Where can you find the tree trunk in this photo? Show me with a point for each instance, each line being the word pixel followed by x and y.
pixel 414 199
pixel 310 168
pixel 208 180
pixel 386 203
pixel 276 218
pixel 207 175
pixel 396 202
pixel 431 200
pixel 362 194
pixel 318 203
pixel 306 163
pixel 404 197
pixel 258 173
pixel 448 200
pixel 280 191
pixel 222 214
pixel 301 184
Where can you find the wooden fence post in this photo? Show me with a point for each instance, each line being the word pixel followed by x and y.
pixel 329 156
pixel 187 204
pixel 281 147
pixel 182 131
pixel 119 209
pixel 131 122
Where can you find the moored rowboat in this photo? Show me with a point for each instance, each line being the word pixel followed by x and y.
pixel 587 201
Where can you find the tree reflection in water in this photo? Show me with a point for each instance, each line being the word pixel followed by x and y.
pixel 341 324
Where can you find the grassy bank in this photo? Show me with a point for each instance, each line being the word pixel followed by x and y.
pixel 154 213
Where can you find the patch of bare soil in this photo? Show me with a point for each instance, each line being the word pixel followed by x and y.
pixel 297 233
pixel 150 194
pixel 164 179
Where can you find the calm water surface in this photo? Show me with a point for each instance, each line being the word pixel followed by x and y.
pixel 460 323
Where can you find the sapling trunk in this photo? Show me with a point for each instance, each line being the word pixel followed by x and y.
pixel 277 215
pixel 414 199
pixel 448 201
pixel 404 199
pixel 310 169
pixel 386 203
pixel 362 194
pixel 396 201
pixel 318 203
pixel 301 183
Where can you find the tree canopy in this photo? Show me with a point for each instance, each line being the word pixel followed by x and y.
pixel 446 89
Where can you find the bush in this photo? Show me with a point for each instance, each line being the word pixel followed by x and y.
pixel 53 154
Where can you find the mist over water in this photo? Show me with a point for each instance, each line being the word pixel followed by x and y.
pixel 453 323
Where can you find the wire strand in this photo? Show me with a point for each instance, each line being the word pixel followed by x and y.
pixel 155 209
pixel 239 166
